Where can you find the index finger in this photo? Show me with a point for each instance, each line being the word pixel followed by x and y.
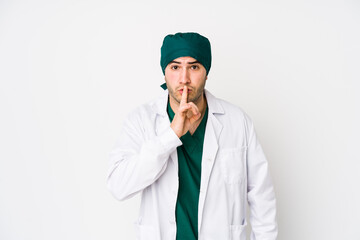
pixel 184 95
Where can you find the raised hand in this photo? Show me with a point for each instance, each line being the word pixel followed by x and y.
pixel 186 116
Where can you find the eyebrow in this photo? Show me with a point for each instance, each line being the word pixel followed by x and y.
pixel 187 63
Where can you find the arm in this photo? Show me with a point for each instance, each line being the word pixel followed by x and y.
pixel 136 163
pixel 261 196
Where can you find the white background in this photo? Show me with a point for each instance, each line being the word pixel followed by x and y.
pixel 71 70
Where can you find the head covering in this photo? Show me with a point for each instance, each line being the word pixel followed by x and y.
pixel 188 44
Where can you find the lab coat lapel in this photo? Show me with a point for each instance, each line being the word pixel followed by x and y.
pixel 162 120
pixel 211 145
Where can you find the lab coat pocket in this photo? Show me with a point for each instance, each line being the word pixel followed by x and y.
pixel 233 164
pixel 144 232
pixel 237 232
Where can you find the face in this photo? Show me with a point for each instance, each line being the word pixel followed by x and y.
pixel 185 71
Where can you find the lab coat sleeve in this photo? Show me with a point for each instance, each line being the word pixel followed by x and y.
pixel 137 161
pixel 261 195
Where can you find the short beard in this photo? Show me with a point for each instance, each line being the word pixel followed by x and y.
pixel 199 92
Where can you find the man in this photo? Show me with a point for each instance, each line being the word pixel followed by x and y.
pixel 195 158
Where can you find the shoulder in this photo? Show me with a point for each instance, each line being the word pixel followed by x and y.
pixel 226 109
pixel 231 108
pixel 236 124
pixel 148 110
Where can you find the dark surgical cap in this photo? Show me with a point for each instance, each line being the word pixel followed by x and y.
pixel 189 44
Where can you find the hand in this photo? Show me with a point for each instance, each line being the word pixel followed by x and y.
pixel 186 116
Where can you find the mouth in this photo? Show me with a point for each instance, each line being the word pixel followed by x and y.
pixel 181 90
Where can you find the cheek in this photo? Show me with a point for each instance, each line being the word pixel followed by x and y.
pixel 170 76
pixel 199 79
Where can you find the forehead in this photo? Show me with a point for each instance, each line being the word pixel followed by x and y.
pixel 184 60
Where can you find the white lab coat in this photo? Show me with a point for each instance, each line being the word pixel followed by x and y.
pixel 234 171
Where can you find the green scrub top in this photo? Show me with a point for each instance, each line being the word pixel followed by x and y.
pixel 189 161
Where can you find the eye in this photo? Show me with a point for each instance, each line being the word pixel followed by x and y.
pixel 194 67
pixel 174 67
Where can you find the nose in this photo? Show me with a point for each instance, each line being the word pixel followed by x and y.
pixel 185 76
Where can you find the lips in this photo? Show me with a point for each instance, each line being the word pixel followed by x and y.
pixel 181 90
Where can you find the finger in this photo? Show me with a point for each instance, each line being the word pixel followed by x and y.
pixel 184 96
pixel 184 108
pixel 194 118
pixel 194 108
pixel 189 114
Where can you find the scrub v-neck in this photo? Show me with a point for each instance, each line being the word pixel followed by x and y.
pixel 189 163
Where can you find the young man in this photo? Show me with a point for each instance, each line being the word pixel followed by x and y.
pixel 195 158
